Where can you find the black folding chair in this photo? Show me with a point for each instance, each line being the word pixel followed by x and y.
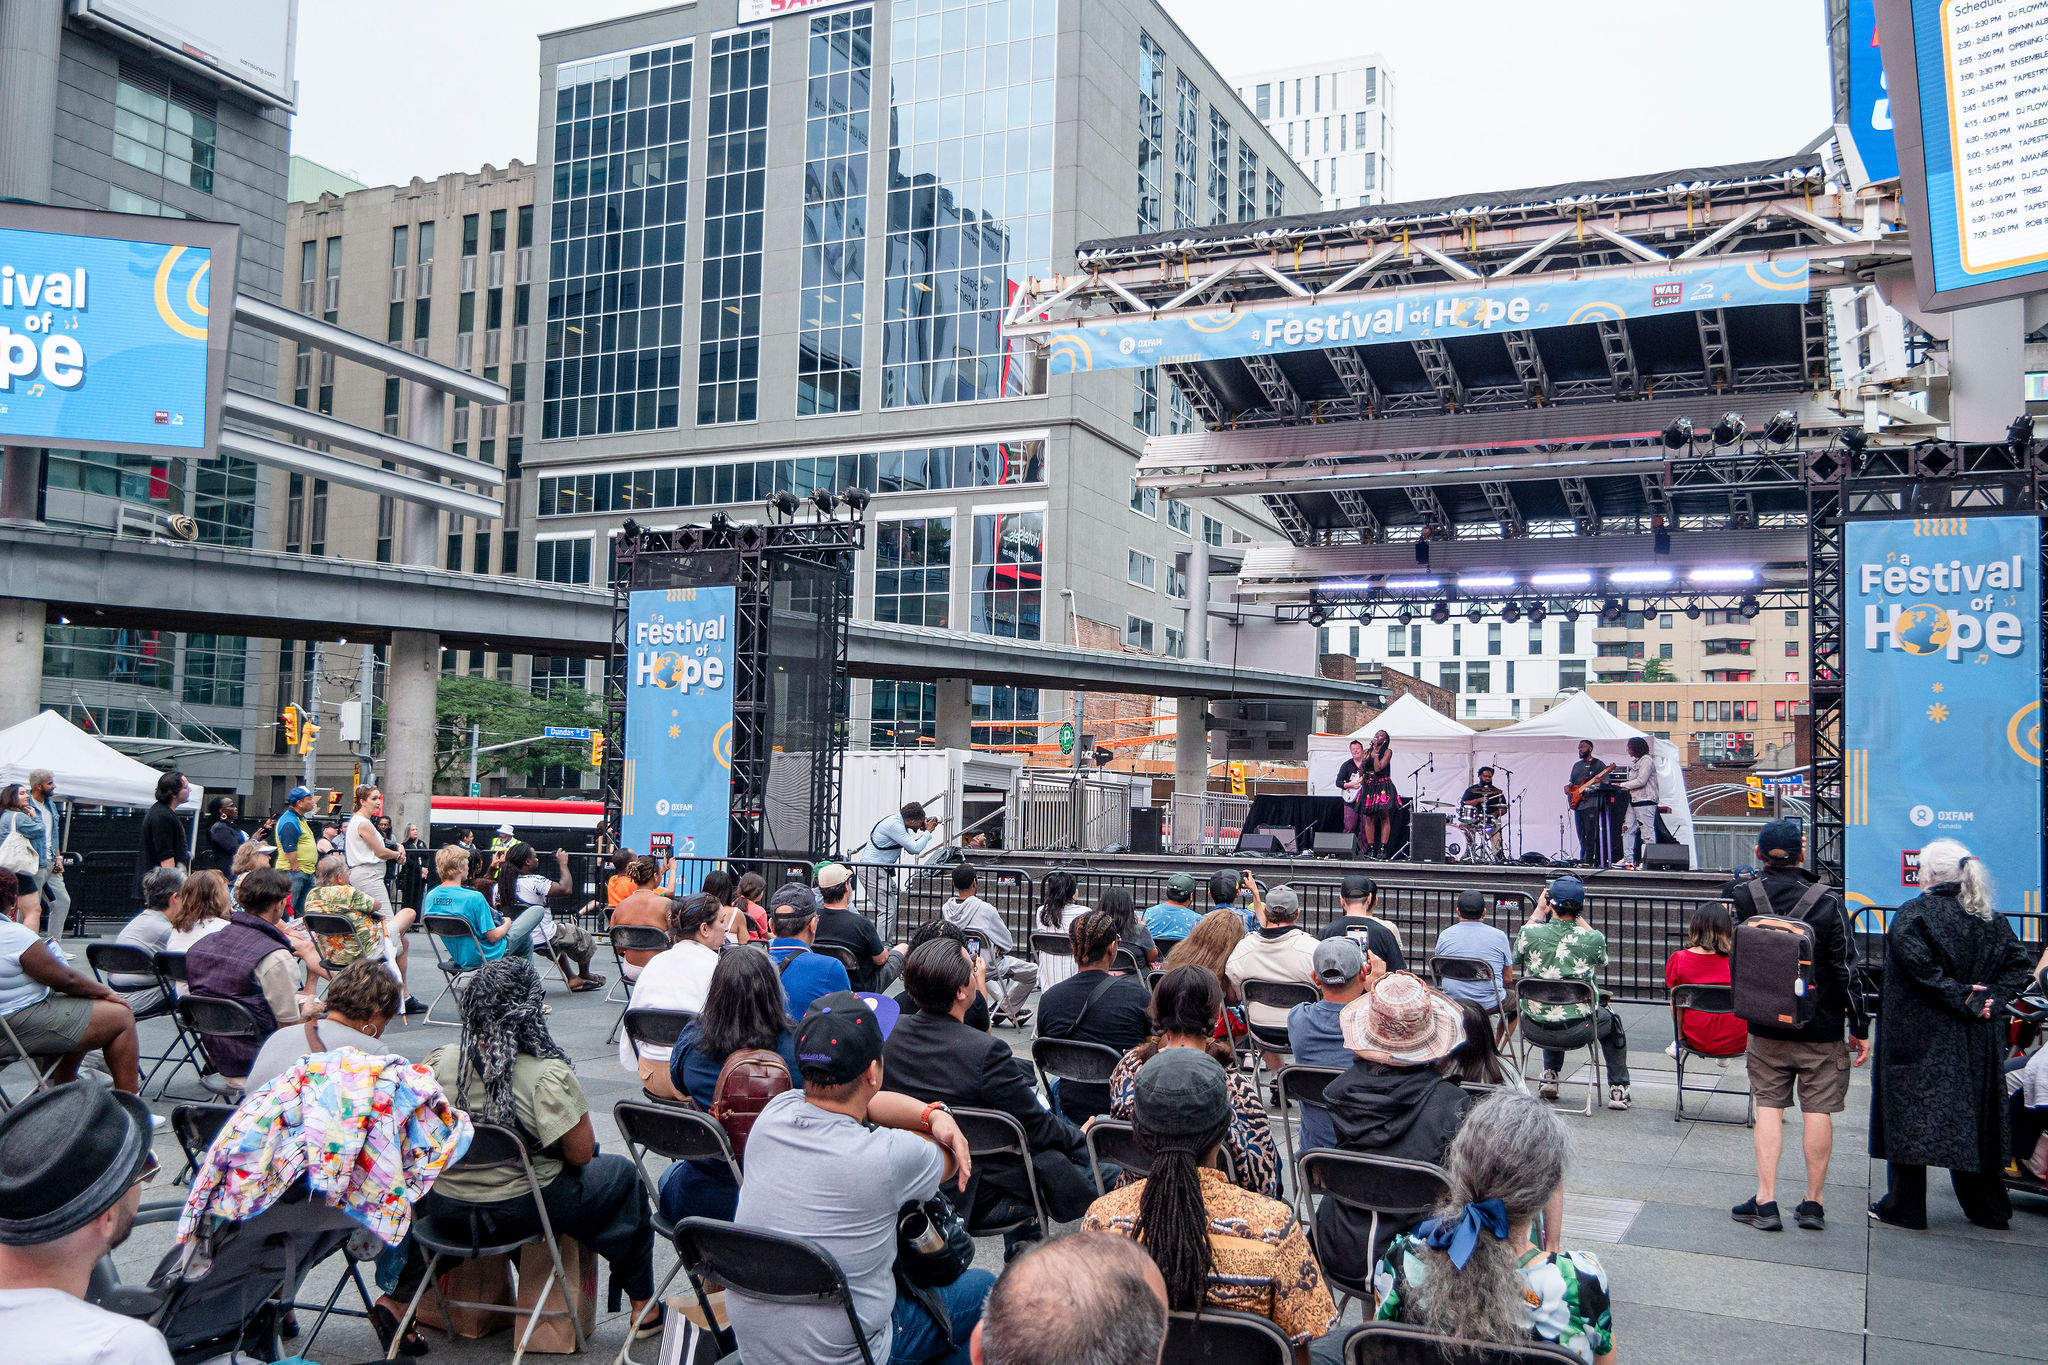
pixel 630 938
pixel 844 956
pixel 1051 943
pixel 655 1028
pixel 1115 1142
pixel 680 1135
pixel 208 1017
pixel 455 1235
pixel 1703 999
pixel 1389 1190
pixel 442 930
pixel 1578 994
pixel 1301 1083
pixel 1280 995
pixel 991 1132
pixel 195 1126
pixel 1165 946
pixel 1068 1059
pixel 111 960
pixel 1129 959
pixel 1479 972
pixel 1399 1343
pixel 1225 1338
pixel 172 977
pixel 40 1065
pixel 764 1265
pixel 322 925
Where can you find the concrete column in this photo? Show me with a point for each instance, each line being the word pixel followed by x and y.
pixel 1198 602
pixel 420 525
pixel 30 32
pixel 1190 746
pixel 21 483
pixel 414 676
pixel 955 728
pixel 1987 369
pixel 21 659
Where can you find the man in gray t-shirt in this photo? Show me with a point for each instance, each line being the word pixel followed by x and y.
pixel 983 924
pixel 834 1163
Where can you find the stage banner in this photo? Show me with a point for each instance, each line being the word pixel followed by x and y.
pixel 1389 317
pixel 679 682
pixel 1942 734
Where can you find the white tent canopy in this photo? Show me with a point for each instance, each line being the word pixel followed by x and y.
pixel 1539 753
pixel 1422 737
pixel 86 769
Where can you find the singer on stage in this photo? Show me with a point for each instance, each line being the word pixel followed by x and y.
pixel 1376 796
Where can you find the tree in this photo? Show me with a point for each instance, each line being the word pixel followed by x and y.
pixel 1654 671
pixel 504 712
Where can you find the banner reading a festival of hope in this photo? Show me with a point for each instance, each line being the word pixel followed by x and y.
pixel 1942 737
pixel 679 681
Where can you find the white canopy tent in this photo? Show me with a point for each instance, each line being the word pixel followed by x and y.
pixel 87 770
pixel 1422 737
pixel 1540 751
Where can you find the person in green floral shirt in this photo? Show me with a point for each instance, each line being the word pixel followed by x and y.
pixel 332 895
pixel 1555 946
pixel 1473 1271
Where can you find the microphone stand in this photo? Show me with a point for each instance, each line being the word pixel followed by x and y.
pixel 1407 850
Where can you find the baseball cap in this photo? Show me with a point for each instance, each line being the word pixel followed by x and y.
pixel 1181 884
pixel 1182 1092
pixel 1470 903
pixel 1780 838
pixel 842 1033
pixel 1338 961
pixel 1283 898
pixel 1568 889
pixel 1357 887
pixel 831 875
pixel 296 795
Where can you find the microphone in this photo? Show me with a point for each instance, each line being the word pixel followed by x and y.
pixel 1508 771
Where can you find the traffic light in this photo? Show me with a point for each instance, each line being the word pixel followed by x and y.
pixel 333 802
pixel 291 727
pixel 597 748
pixel 309 733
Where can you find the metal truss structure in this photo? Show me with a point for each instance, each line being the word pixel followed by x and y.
pixel 755 560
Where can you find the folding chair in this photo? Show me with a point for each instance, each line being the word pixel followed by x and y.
pixel 844 956
pixel 655 1028
pixel 454 1236
pixel 991 1132
pixel 767 1266
pixel 171 975
pixel 1280 995
pixel 1399 1343
pixel 1702 999
pixel 1068 1059
pixel 1047 943
pixel 455 929
pixel 11 1051
pixel 680 1135
pixel 1129 960
pixel 1535 991
pixel 630 938
pixel 1301 1083
pixel 196 1126
pixel 1389 1190
pixel 1114 1140
pixel 1225 1338
pixel 1165 947
pixel 1478 971
pixel 111 960
pixel 321 926
pixel 207 1017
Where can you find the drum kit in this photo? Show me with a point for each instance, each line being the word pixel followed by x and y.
pixel 1483 832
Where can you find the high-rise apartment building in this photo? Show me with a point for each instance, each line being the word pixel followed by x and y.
pixel 777 258
pixel 1336 119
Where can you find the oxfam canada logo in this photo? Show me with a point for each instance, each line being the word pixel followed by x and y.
pixel 1923 628
pixel 1128 345
pixel 1922 816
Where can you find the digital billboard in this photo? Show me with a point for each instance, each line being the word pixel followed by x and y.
pixel 679 688
pixel 113 329
pixel 245 43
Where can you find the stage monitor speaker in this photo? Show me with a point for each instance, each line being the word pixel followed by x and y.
pixel 1426 837
pixel 1148 830
pixel 1336 842
pixel 1264 845
pixel 1666 858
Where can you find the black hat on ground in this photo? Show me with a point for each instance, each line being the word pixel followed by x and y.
pixel 66 1155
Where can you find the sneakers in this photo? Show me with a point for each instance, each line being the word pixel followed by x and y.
pixel 1617 1097
pixel 412 1005
pixel 1762 1217
pixel 1810 1215
pixel 1547 1088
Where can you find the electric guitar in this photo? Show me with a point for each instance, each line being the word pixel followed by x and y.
pixel 1575 792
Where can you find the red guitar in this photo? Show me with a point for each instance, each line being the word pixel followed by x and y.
pixel 1575 792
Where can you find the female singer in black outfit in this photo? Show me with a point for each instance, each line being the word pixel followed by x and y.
pixel 1376 796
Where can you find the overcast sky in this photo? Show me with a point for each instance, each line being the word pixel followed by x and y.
pixel 1491 94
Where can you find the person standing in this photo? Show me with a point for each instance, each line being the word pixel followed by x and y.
pixel 367 852
pixel 18 816
pixel 1350 777
pixel 910 831
pixel 298 853
pixel 163 834
pixel 1939 1093
pixel 222 837
pixel 1377 797
pixel 1813 1060
pixel 1595 839
pixel 42 786
pixel 1640 790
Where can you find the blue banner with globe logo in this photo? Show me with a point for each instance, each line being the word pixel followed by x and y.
pixel 677 795
pixel 1942 737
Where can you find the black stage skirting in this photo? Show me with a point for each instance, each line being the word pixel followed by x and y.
pixel 1307 815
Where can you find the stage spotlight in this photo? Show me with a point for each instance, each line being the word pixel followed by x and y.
pixel 857 499
pixel 2020 435
pixel 1475 616
pixel 1537 611
pixel 1751 607
pixel 1511 613
pixel 1317 617
pixel 1678 433
pixel 1405 616
pixel 1692 611
pixel 1782 427
pixel 824 501
pixel 784 504
pixel 1729 429
pixel 631 528
pixel 1103 756
pixel 1440 613
pixel 721 525
pixel 1365 616
pixel 1612 612
pixel 1571 615
pixel 1853 439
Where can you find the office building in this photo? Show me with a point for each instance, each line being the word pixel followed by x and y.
pixel 1494 670
pixel 777 258
pixel 1714 724
pixel 1336 119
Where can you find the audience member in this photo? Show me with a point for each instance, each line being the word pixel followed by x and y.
pixel 805 975
pixel 334 893
pixel 199 907
pixel 677 979
pixel 1056 910
pixel 1224 889
pixel 1185 1010
pixel 252 854
pixel 643 904
pixel 1473 937
pixel 1174 918
pixel 1116 902
pixel 934 1056
pixel 1554 946
pixel 1315 1030
pixel 1703 961
pixel 977 1013
pixel 149 930
pixel 521 889
pixel 73 1161
pixel 1473 1271
pixel 742 1012
pixel 163 835
pixel 507 1070
pixel 751 895
pixel 835 1163
pixel 1280 951
pixel 57 1012
pixel 1478 1060
pixel 876 965
pixel 455 897
pixel 1217 1246
pixel 1215 937
pixel 1391 1102
pixel 250 963
pixel 989 939
pixel 621 883
pixel 1094 1005
pixel 361 1002
pixel 1089 1298
pixel 1359 897
pixel 297 850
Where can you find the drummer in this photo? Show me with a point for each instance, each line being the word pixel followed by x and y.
pixel 1483 806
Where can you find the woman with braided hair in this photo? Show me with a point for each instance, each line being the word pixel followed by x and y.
pixel 1216 1245
pixel 507 1070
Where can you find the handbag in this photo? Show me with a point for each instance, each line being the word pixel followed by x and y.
pixel 933 1247
pixel 17 854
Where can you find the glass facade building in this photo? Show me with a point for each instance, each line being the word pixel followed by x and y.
pixel 837 157
pixel 735 212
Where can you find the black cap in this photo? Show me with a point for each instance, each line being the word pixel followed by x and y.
pixel 66 1155
pixel 1357 887
pixel 1471 905
pixel 1780 839
pixel 841 1035
pixel 1182 1092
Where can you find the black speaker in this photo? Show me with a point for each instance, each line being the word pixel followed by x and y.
pixel 1148 830
pixel 1264 845
pixel 1336 842
pixel 1426 837
pixel 1666 858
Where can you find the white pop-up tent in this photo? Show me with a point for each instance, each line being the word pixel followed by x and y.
pixel 1539 753
pixel 86 769
pixel 1422 738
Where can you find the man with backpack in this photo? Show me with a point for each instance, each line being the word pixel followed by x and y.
pixel 1790 979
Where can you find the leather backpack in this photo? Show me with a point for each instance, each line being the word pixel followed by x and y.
pixel 749 1079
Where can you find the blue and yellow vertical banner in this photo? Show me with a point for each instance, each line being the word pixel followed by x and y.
pixel 1942 736
pixel 679 682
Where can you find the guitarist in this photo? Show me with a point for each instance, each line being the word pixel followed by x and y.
pixel 1596 836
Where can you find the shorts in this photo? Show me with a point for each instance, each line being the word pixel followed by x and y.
pixel 1821 1071
pixel 52 1026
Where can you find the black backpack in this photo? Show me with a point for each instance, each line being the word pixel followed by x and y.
pixel 1771 971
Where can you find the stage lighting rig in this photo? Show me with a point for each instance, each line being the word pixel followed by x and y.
pixel 856 500
pixel 1571 615
pixel 1405 616
pixel 1751 607
pixel 721 527
pixel 1678 434
pixel 1511 613
pixel 783 504
pixel 1474 615
pixel 1692 611
pixel 1783 426
pixel 2020 435
pixel 824 501
pixel 1537 611
pixel 1440 613
pixel 1729 429
pixel 1612 611
pixel 1317 617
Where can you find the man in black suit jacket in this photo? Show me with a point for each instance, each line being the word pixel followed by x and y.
pixel 934 1055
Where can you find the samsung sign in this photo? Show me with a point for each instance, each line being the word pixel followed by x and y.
pixel 113 329
pixel 753 11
